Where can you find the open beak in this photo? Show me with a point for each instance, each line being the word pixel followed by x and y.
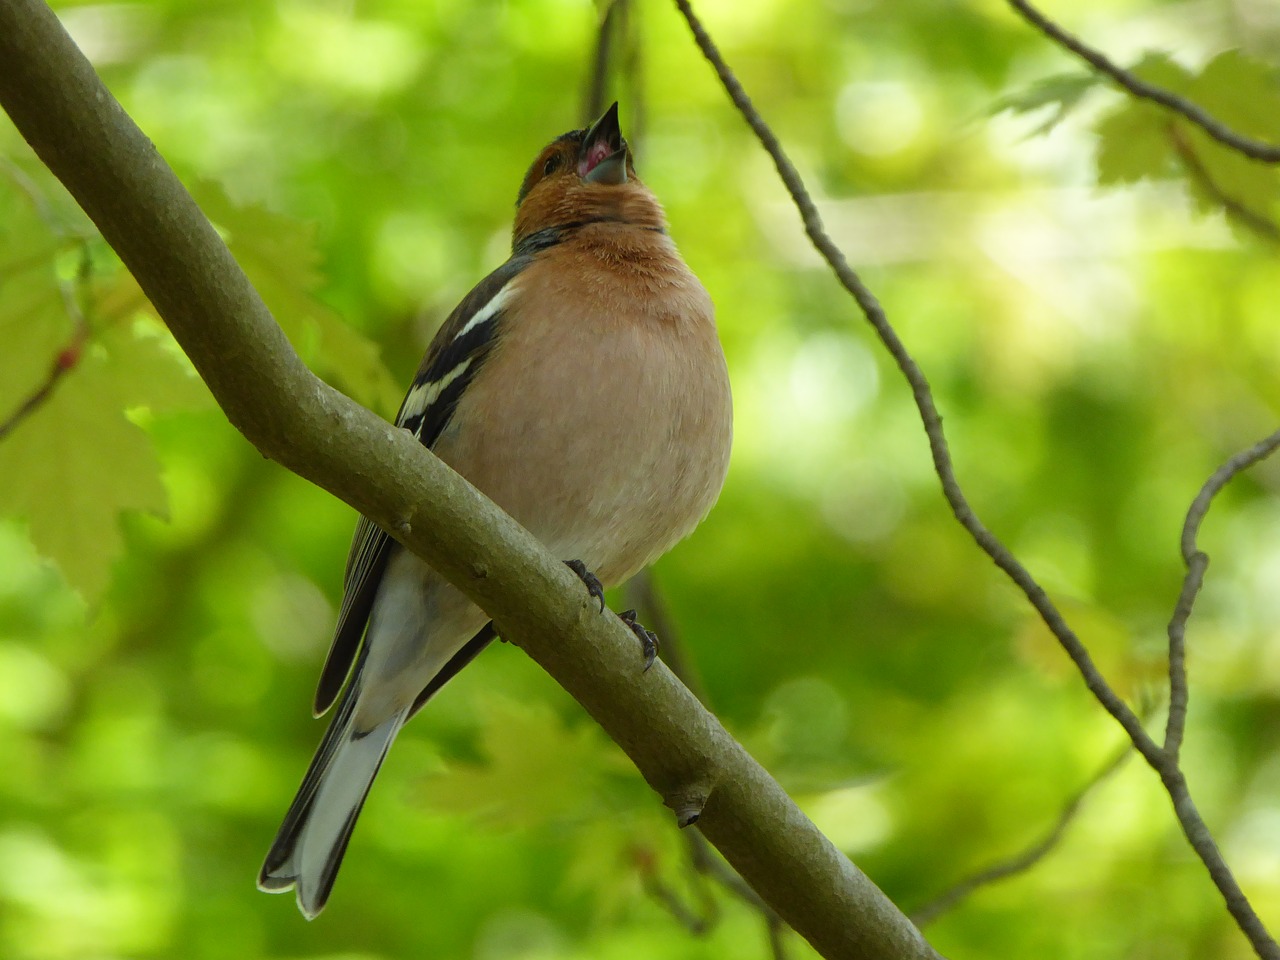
pixel 604 153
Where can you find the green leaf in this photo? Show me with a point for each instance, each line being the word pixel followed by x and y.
pixel 1133 140
pixel 281 258
pixel 1242 92
pixel 34 324
pixel 1244 95
pixel 1063 92
pixel 151 371
pixel 1136 139
pixel 77 462
pixel 1133 144
pixel 543 774
pixel 73 466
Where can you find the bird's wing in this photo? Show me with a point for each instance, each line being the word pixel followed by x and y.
pixel 456 352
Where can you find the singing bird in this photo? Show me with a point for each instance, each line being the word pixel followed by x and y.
pixel 582 387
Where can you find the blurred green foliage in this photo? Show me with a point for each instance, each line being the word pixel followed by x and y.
pixel 1100 327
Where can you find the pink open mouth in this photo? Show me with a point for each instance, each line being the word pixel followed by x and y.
pixel 598 151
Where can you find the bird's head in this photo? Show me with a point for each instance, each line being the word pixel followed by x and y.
pixel 585 175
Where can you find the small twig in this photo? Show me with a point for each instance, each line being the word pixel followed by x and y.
pixel 700 921
pixel 1026 859
pixel 1167 767
pixel 618 51
pixel 777 930
pixel 63 364
pixel 706 863
pixel 1254 149
pixel 632 68
pixel 696 923
pixel 922 393
pixel 1245 216
pixel 1197 561
pixel 606 36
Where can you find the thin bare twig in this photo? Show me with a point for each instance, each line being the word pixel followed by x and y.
pixel 63 364
pixel 1197 561
pixel 702 918
pixel 618 51
pixel 923 396
pixel 1247 217
pixel 1254 149
pixel 777 930
pixel 1171 775
pixel 1025 859
pixel 695 922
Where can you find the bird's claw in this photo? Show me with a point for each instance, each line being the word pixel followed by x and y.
pixel 648 639
pixel 594 586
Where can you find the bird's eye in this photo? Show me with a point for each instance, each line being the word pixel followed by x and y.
pixel 552 165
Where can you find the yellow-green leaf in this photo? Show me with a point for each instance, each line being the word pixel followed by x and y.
pixel 34 324
pixel 150 371
pixel 281 258
pixel 537 768
pixel 70 469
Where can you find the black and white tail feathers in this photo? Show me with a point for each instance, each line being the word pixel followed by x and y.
pixel 310 844
pixel 308 848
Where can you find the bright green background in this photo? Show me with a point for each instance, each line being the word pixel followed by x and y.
pixel 1098 335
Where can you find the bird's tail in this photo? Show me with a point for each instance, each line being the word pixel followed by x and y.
pixel 308 849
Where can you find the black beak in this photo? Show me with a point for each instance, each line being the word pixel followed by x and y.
pixel 603 158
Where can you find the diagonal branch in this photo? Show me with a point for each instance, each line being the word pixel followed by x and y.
pixel 1254 149
pixel 923 396
pixel 1171 775
pixel 84 136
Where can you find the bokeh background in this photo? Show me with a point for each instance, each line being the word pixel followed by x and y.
pixel 1096 313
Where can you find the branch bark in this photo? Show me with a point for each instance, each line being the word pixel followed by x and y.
pixel 83 135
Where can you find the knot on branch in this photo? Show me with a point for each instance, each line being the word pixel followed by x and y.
pixel 687 803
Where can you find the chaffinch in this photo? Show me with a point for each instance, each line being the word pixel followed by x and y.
pixel 581 386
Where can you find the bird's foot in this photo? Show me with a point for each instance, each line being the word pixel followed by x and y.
pixel 648 639
pixel 594 586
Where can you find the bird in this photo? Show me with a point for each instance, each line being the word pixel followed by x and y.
pixel 583 388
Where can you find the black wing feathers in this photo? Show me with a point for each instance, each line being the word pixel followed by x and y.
pixel 456 352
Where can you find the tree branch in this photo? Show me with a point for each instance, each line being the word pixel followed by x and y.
pixel 1197 563
pixel 1254 149
pixel 1163 763
pixel 83 135
pixel 922 393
